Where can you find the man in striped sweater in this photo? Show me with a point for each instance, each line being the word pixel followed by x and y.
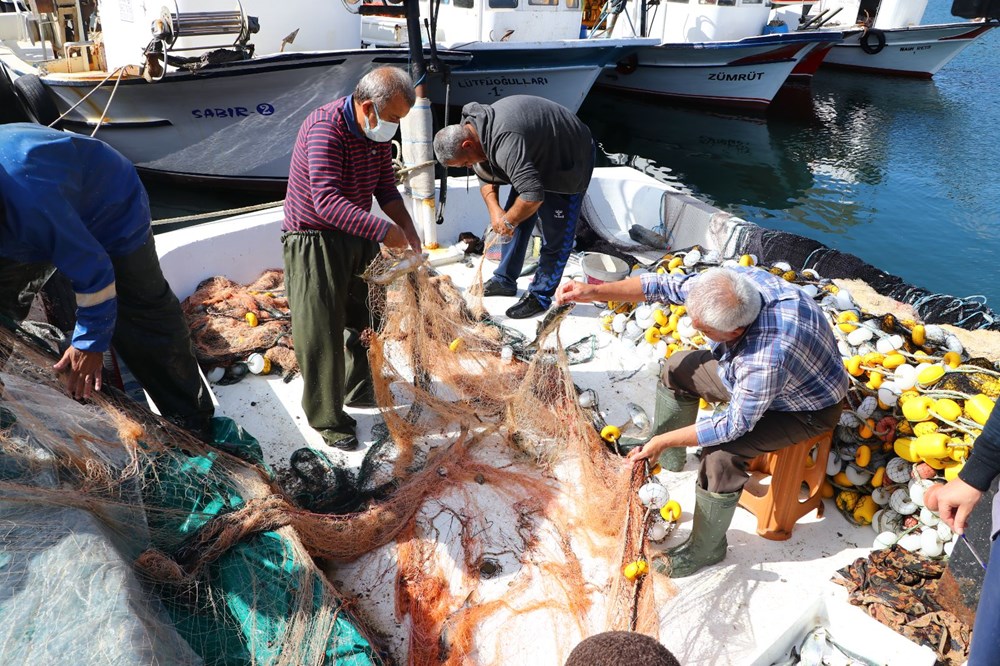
pixel 342 158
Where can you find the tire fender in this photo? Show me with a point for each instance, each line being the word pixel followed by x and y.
pixel 35 99
pixel 876 36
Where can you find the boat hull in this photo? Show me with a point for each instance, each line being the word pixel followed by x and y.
pixel 233 125
pixel 919 51
pixel 562 71
pixel 747 73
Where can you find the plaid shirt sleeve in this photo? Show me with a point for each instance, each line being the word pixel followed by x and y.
pixel 665 288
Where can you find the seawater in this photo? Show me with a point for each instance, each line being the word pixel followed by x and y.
pixel 902 173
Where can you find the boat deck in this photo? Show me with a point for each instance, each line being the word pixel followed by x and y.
pixel 730 613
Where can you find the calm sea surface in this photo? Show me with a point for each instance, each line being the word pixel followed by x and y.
pixel 901 173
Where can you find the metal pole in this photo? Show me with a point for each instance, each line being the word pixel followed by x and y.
pixel 418 68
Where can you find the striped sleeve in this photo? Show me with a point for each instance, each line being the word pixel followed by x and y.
pixel 328 171
pixel 386 191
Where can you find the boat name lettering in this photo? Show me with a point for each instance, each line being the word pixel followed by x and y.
pixel 233 111
pixel 723 76
pixel 504 81
pixel 914 48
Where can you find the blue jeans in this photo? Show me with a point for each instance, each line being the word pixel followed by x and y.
pixel 557 216
pixel 985 647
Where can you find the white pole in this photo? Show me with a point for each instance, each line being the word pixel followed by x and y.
pixel 418 151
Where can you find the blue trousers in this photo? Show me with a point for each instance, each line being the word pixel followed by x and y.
pixel 985 648
pixel 557 218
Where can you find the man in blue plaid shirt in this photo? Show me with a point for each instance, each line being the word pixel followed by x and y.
pixel 773 359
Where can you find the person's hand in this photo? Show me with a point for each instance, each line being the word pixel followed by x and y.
pixel 414 240
pixel 953 502
pixel 395 239
pixel 573 291
pixel 80 371
pixel 499 228
pixel 650 451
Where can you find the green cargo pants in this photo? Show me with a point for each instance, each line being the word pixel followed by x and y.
pixel 329 304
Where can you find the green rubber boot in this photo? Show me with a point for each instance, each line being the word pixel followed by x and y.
pixel 707 545
pixel 673 412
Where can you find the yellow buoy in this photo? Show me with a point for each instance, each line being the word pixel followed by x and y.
pixel 952 359
pixel 866 430
pixel 853 366
pixel 951 471
pixel 930 374
pixel 653 335
pixel 893 360
pixel 924 428
pixel 947 409
pixel 863 456
pixel 671 511
pixel 789 275
pixel 827 490
pixel 656 469
pixel 903 447
pixel 840 479
pixel 455 344
pixel 874 380
pixel 610 433
pixel 674 263
pixel 918 334
pixel 702 403
pixel 746 260
pixel 251 318
pixel 878 478
pixel 865 510
pixel 918 408
pixel 934 445
pixel 872 358
pixel 978 408
pixel 660 317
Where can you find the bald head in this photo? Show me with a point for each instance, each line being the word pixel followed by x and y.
pixel 382 86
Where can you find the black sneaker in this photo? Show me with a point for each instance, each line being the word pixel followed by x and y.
pixel 528 306
pixel 345 443
pixel 493 288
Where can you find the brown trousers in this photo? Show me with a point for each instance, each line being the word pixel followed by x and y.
pixel 724 467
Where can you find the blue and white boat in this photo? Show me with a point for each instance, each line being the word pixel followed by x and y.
pixel 710 52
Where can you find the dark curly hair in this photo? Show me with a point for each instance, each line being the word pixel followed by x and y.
pixel 613 648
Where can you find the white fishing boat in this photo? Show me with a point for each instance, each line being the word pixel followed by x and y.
pixel 719 53
pixel 531 48
pixel 227 105
pixel 892 40
pixel 751 609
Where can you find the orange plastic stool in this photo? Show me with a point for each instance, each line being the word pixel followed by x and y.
pixel 777 505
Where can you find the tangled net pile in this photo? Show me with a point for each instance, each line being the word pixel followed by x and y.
pixel 230 321
pixel 499 503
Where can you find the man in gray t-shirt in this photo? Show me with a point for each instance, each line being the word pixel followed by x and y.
pixel 547 155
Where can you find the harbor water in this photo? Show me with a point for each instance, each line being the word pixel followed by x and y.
pixel 900 172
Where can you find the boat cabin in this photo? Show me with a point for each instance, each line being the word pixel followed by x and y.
pixel 691 21
pixel 880 14
pixel 462 21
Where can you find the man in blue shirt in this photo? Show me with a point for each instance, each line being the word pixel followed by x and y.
pixel 773 359
pixel 73 204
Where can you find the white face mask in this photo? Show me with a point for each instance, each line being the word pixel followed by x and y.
pixel 383 130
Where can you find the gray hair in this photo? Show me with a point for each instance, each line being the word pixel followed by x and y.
pixel 448 143
pixel 381 85
pixel 723 299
